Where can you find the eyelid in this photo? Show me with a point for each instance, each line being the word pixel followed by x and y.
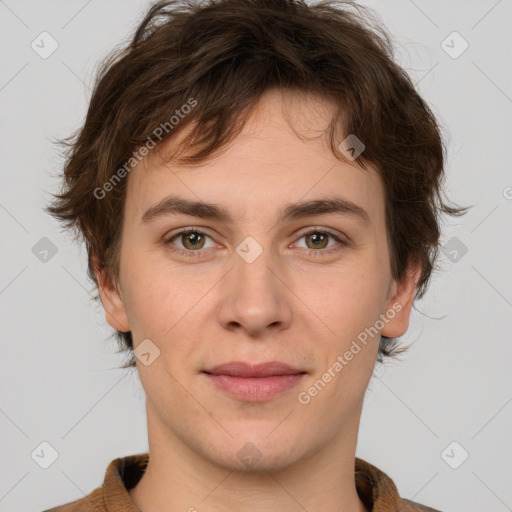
pixel 321 229
pixel 175 233
pixel 338 236
pixel 302 232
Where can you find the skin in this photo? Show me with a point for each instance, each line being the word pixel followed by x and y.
pixel 289 305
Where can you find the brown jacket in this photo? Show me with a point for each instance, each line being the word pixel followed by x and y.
pixel 375 488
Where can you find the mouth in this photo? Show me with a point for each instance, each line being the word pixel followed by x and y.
pixel 254 382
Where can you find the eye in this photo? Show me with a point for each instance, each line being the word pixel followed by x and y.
pixel 317 239
pixel 191 240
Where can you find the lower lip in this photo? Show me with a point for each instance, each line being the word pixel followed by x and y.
pixel 255 389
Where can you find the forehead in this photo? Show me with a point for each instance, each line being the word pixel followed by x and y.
pixel 265 166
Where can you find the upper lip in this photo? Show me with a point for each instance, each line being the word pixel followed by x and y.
pixel 243 369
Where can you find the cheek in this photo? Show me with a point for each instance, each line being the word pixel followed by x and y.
pixel 350 346
pixel 346 301
pixel 148 295
pixel 161 299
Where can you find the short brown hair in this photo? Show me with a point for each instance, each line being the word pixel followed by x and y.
pixel 223 55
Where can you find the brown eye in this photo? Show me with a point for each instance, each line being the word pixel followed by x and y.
pixel 189 242
pixel 320 242
pixel 192 240
pixel 318 239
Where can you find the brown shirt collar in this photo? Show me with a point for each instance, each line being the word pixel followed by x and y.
pixel 375 488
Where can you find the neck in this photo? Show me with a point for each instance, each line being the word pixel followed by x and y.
pixel 178 478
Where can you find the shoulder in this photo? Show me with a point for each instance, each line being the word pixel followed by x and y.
pixel 92 502
pixel 380 492
pixel 412 506
pixel 121 474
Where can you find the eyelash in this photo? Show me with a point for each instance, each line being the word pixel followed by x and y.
pixel 200 253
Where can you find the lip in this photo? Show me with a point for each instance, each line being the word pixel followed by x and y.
pixel 254 382
pixel 243 369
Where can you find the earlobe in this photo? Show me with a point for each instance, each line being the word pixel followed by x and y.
pixel 400 303
pixel 113 303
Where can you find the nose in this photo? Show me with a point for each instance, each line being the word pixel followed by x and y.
pixel 254 296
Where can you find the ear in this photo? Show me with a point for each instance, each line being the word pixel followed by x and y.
pixel 113 303
pixel 400 301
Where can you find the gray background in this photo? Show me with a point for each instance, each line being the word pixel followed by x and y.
pixel 57 382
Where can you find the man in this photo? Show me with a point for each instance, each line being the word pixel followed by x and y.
pixel 256 182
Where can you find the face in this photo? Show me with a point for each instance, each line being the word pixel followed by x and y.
pixel 264 282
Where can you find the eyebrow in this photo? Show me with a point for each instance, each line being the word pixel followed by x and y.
pixel 177 205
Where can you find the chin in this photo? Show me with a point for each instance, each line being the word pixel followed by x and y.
pixel 257 451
